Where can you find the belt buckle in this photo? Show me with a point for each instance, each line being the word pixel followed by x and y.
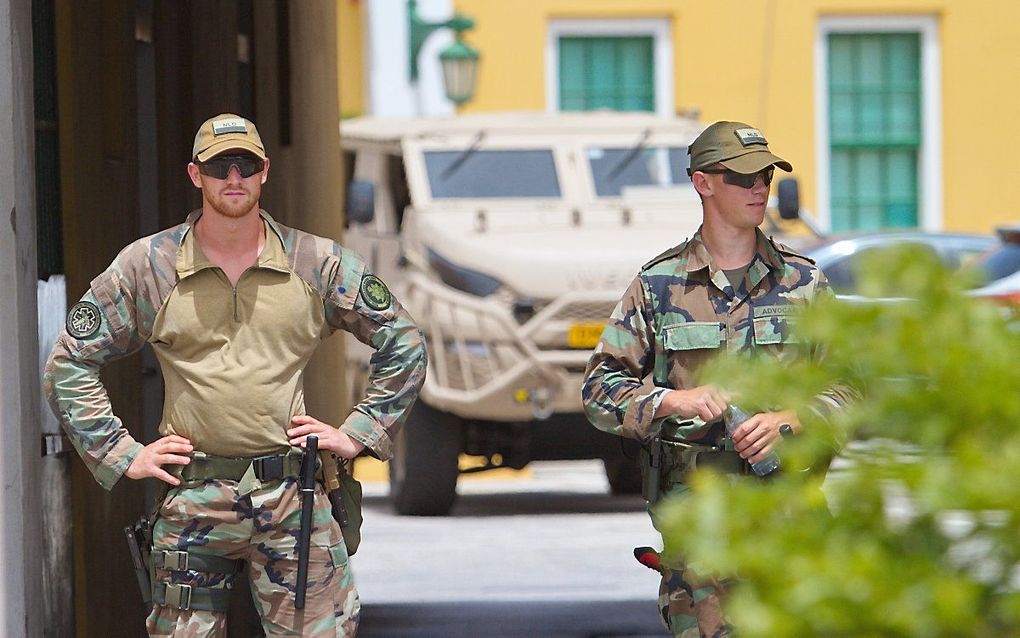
pixel 175 561
pixel 178 596
pixel 268 468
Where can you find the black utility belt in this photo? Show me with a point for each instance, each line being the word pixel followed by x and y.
pixel 273 467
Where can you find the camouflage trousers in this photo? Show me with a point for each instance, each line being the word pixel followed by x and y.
pixel 690 606
pixel 260 528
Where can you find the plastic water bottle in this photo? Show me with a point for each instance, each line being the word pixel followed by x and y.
pixel 733 417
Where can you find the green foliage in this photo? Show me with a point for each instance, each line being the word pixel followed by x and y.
pixel 917 532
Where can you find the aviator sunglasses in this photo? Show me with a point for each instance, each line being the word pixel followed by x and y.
pixel 742 180
pixel 219 167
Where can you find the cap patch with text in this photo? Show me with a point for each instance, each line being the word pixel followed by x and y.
pixel 748 136
pixel 232 125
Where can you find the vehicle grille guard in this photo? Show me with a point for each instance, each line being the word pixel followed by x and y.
pixel 477 351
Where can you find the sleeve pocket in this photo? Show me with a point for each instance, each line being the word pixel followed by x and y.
pixel 694 335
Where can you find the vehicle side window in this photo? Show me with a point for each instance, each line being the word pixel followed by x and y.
pixel 348 167
pixel 398 187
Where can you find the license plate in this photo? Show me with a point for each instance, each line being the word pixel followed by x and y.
pixel 584 335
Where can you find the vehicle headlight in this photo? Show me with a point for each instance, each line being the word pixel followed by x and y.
pixel 463 279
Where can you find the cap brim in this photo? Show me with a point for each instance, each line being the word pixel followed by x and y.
pixel 753 162
pixel 222 146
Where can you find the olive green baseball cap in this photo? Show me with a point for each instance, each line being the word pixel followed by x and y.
pixel 737 146
pixel 226 132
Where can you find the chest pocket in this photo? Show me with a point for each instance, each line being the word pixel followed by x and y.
pixel 775 330
pixel 693 335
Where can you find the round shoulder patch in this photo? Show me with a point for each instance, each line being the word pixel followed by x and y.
pixel 83 320
pixel 374 293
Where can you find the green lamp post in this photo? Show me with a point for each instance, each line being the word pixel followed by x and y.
pixel 459 61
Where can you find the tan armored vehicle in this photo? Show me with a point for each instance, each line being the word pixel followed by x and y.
pixel 510 238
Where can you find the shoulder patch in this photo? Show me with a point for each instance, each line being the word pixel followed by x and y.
pixel 663 256
pixel 83 320
pixel 374 293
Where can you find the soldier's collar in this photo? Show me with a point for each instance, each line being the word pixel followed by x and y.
pixel 768 252
pixel 190 258
pixel 765 251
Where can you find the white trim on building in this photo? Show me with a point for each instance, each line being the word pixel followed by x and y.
pixel 387 57
pixel 930 214
pixel 658 29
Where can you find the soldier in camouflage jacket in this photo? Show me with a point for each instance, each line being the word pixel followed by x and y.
pixel 234 304
pixel 729 289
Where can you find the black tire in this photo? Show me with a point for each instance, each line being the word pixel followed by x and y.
pixel 423 470
pixel 622 469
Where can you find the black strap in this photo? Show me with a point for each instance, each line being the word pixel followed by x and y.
pixel 267 468
pixel 182 561
pixel 186 597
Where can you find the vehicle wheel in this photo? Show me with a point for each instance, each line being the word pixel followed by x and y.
pixel 622 469
pixel 423 470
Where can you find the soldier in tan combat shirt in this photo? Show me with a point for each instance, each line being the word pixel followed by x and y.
pixel 234 304
pixel 729 289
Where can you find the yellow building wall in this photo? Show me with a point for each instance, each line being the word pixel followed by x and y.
pixel 753 60
pixel 350 58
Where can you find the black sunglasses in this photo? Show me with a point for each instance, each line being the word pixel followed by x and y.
pixel 219 166
pixel 742 180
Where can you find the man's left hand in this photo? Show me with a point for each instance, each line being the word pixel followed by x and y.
pixel 330 438
pixel 756 437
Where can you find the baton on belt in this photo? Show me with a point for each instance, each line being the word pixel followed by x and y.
pixel 307 489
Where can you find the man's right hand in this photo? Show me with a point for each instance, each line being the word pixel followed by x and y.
pixel 706 401
pixel 152 458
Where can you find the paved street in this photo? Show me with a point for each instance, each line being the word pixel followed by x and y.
pixel 546 552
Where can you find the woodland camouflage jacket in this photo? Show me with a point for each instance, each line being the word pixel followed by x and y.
pixel 681 311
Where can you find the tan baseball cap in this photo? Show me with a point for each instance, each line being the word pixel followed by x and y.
pixel 737 146
pixel 226 132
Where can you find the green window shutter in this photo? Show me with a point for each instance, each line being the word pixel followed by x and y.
pixel 874 129
pixel 607 73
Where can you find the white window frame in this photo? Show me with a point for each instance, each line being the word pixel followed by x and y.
pixel 929 208
pixel 660 30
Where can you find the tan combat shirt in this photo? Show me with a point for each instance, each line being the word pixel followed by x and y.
pixel 233 357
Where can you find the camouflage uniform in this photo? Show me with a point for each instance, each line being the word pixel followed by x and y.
pixel 678 313
pixel 129 304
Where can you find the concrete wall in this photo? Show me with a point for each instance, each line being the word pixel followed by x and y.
pixel 21 596
pixel 390 91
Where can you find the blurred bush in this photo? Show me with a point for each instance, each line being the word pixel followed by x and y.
pixel 914 529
